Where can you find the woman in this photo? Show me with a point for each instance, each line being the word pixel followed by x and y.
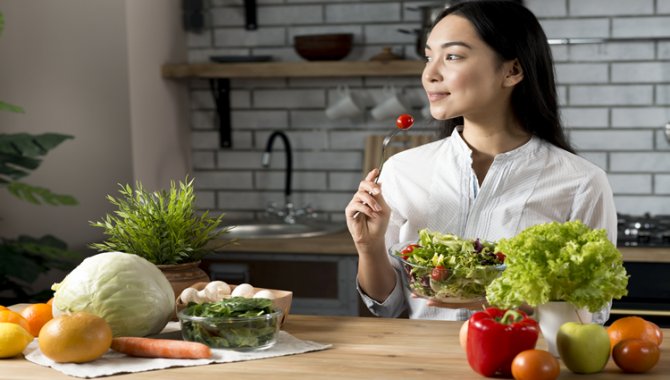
pixel 505 164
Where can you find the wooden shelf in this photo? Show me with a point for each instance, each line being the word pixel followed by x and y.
pixel 294 69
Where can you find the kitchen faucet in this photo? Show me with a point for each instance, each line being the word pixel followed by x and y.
pixel 288 213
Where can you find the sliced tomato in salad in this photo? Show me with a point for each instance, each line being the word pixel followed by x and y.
pixel 439 273
pixel 500 256
pixel 408 251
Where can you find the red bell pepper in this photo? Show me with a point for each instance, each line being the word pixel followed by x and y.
pixel 496 336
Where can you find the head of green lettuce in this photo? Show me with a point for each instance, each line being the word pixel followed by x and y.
pixel 559 262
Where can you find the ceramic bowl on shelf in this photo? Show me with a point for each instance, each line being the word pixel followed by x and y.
pixel 323 47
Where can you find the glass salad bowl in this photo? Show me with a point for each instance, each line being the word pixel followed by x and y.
pixel 448 269
pixel 249 331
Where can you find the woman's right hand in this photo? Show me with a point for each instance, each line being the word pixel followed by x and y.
pixel 367 213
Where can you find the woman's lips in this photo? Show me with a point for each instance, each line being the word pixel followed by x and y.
pixel 435 96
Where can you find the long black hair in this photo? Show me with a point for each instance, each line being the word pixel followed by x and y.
pixel 514 32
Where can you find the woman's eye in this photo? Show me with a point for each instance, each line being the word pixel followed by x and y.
pixel 451 57
pixel 428 59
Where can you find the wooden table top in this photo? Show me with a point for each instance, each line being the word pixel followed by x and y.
pixel 363 348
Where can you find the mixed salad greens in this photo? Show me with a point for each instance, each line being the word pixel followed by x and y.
pixel 445 267
pixel 235 323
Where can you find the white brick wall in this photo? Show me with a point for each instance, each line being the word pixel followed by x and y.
pixel 614 96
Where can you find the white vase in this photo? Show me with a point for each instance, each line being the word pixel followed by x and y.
pixel 552 315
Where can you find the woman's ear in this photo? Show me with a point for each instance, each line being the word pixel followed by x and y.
pixel 513 73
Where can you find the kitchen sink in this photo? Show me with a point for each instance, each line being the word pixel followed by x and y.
pixel 271 230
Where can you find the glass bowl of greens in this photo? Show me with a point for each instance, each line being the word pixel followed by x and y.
pixel 237 323
pixel 449 269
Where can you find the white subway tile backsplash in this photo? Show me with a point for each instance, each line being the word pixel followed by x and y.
pixel 363 12
pixel 637 205
pixel 282 15
pixel 610 7
pixel 636 162
pixel 662 184
pixel 641 27
pixel 662 142
pixel 289 98
pixel 236 37
pixel 258 119
pixel 276 180
pixel 639 72
pixel 632 117
pixel 544 8
pixel 614 99
pixel 347 181
pixel 204 139
pixel 576 28
pixel 328 160
pixel 612 51
pixel 581 73
pixel 610 95
pixel 663 94
pixel 585 117
pixel 213 180
pixel 388 34
pixel 598 159
pixel 663 6
pixel 611 140
pixel 205 200
pixel 203 160
pixel 630 183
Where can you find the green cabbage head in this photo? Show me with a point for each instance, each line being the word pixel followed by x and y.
pixel 126 290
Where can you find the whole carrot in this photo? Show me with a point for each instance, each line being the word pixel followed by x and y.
pixel 160 348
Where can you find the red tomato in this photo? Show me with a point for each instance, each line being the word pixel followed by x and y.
pixel 500 256
pixel 463 335
pixel 635 355
pixel 404 121
pixel 439 273
pixel 535 365
pixel 407 251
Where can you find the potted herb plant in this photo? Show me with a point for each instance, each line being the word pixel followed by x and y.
pixel 164 228
pixel 565 267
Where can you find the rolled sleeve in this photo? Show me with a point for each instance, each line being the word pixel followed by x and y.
pixel 392 306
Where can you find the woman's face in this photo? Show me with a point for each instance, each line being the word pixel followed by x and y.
pixel 463 75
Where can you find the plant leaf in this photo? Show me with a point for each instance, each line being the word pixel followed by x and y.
pixel 39 195
pixel 10 107
pixel 25 144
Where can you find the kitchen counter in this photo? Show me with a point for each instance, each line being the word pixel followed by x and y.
pixel 341 244
pixel 362 348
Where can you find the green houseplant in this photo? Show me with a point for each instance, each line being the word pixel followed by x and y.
pixel 25 258
pixel 164 228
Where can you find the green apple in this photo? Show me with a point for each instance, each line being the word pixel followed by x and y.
pixel 584 347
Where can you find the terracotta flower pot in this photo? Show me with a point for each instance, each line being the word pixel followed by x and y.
pixel 181 276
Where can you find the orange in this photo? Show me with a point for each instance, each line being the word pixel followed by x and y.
pixel 14 317
pixel 76 338
pixel 631 328
pixel 658 332
pixel 3 308
pixel 37 315
pixel 50 301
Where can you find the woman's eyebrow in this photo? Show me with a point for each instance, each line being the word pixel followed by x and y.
pixel 452 43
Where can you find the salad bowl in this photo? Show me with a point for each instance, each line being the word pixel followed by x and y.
pixel 448 269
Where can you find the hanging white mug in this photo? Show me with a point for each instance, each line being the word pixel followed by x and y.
pixel 350 104
pixel 393 105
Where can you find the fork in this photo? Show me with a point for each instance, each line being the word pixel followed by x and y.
pixel 385 143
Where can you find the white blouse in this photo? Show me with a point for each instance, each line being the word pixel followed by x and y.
pixel 433 186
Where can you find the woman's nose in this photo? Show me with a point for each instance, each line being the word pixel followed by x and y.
pixel 430 73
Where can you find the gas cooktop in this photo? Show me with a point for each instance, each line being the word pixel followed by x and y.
pixel 643 230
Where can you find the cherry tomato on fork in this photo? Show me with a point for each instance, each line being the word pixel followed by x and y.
pixel 404 121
